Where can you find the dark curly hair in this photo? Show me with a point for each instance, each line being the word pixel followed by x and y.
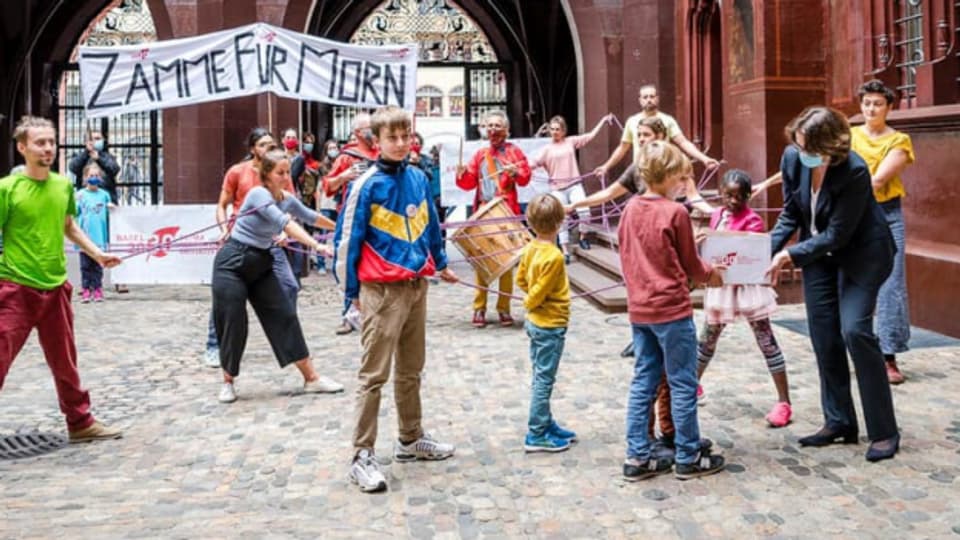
pixel 825 131
pixel 876 86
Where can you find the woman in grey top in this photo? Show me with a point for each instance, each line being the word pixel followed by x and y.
pixel 243 271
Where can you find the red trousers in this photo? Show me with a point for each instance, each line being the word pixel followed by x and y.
pixel 24 308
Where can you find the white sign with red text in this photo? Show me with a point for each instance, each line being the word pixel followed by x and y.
pixel 745 254
pixel 171 251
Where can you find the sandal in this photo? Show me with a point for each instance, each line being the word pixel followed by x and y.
pixel 634 470
pixel 705 464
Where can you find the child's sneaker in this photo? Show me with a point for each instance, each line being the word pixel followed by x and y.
pixel 701 395
pixel 98 295
pixel 365 472
pixel 424 448
pixel 506 320
pixel 479 319
pixel 85 296
pixel 545 443
pixel 634 469
pixel 780 414
pixel 705 464
pixel 561 433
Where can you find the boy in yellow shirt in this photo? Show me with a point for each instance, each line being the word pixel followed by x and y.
pixel 543 275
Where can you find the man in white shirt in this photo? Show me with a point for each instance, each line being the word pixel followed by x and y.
pixel 650 103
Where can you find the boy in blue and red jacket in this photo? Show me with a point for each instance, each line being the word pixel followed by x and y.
pixel 387 240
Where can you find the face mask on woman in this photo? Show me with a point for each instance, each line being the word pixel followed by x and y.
pixel 332 153
pixel 810 161
pixel 98 145
pixel 308 147
pixel 290 144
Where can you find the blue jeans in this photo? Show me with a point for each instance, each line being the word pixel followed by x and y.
pixel 332 215
pixel 672 345
pixel 288 282
pixel 546 348
pixel 893 308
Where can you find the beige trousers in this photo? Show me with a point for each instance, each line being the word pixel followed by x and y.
pixel 394 321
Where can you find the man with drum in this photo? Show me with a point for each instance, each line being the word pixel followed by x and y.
pixel 495 171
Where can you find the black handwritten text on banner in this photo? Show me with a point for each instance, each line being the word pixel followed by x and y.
pixel 243 61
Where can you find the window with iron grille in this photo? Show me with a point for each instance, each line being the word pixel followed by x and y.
pixel 909 47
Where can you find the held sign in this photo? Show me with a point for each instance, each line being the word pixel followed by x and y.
pixel 248 60
pixel 746 255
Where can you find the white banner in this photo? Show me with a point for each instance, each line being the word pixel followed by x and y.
pixel 451 195
pixel 136 228
pixel 746 254
pixel 248 60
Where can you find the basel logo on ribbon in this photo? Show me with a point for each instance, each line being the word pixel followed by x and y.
pixel 162 238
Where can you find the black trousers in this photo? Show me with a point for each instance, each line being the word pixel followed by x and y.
pixel 840 316
pixel 244 273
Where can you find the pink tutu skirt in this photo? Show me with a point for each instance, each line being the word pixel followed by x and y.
pixel 724 305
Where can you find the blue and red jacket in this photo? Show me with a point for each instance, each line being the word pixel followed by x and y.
pixel 388 229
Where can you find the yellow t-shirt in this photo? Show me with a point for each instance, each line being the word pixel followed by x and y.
pixel 543 275
pixel 874 150
pixel 630 130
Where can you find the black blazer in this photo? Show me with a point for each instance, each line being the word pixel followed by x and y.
pixel 853 229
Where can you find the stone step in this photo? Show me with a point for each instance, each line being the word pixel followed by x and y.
pixel 584 278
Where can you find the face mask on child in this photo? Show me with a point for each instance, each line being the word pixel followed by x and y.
pixel 98 145
pixel 308 147
pixel 333 153
pixel 95 181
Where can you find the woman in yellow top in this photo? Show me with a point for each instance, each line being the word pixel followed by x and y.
pixel 887 153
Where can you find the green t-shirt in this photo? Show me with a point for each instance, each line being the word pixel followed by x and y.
pixel 32 218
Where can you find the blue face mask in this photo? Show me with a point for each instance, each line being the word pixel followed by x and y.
pixel 98 145
pixel 308 147
pixel 333 153
pixel 810 161
pixel 95 181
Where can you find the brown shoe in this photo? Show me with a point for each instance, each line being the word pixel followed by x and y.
pixel 95 432
pixel 343 329
pixel 893 373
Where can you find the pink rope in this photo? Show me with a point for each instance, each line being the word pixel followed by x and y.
pixel 518 297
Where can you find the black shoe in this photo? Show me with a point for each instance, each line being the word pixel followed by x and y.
pixel 883 449
pixel 584 244
pixel 705 464
pixel 646 469
pixel 627 351
pixel 827 436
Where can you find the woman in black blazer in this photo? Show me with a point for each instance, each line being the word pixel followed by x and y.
pixel 845 250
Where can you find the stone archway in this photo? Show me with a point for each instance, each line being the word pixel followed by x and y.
pixel 536 42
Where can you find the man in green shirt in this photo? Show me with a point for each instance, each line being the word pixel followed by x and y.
pixel 36 209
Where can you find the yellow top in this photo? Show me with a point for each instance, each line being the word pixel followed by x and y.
pixel 543 275
pixel 873 150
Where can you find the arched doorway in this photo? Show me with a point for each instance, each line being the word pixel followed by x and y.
pixel 510 56
pixel 135 139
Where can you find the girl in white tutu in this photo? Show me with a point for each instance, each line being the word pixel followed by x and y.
pixel 754 303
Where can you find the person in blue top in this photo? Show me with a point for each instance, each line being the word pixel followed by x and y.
pixel 243 271
pixel 93 204
pixel 387 241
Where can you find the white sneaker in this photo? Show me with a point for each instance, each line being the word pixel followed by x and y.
pixel 365 472
pixel 227 393
pixel 322 385
pixel 425 448
pixel 211 358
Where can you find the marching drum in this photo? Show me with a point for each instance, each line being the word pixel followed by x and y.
pixel 492 248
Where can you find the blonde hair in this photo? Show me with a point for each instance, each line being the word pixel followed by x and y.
pixel 545 214
pixel 390 118
pixel 269 162
pixel 660 160
pixel 91 167
pixel 27 123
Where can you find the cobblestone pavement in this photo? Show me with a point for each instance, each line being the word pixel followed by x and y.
pixel 274 463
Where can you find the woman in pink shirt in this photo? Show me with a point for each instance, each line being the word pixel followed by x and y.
pixel 559 158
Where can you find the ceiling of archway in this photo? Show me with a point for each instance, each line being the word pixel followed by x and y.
pixel 444 32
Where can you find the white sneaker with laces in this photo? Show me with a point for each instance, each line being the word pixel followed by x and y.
pixel 211 358
pixel 227 393
pixel 365 472
pixel 424 448
pixel 322 385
